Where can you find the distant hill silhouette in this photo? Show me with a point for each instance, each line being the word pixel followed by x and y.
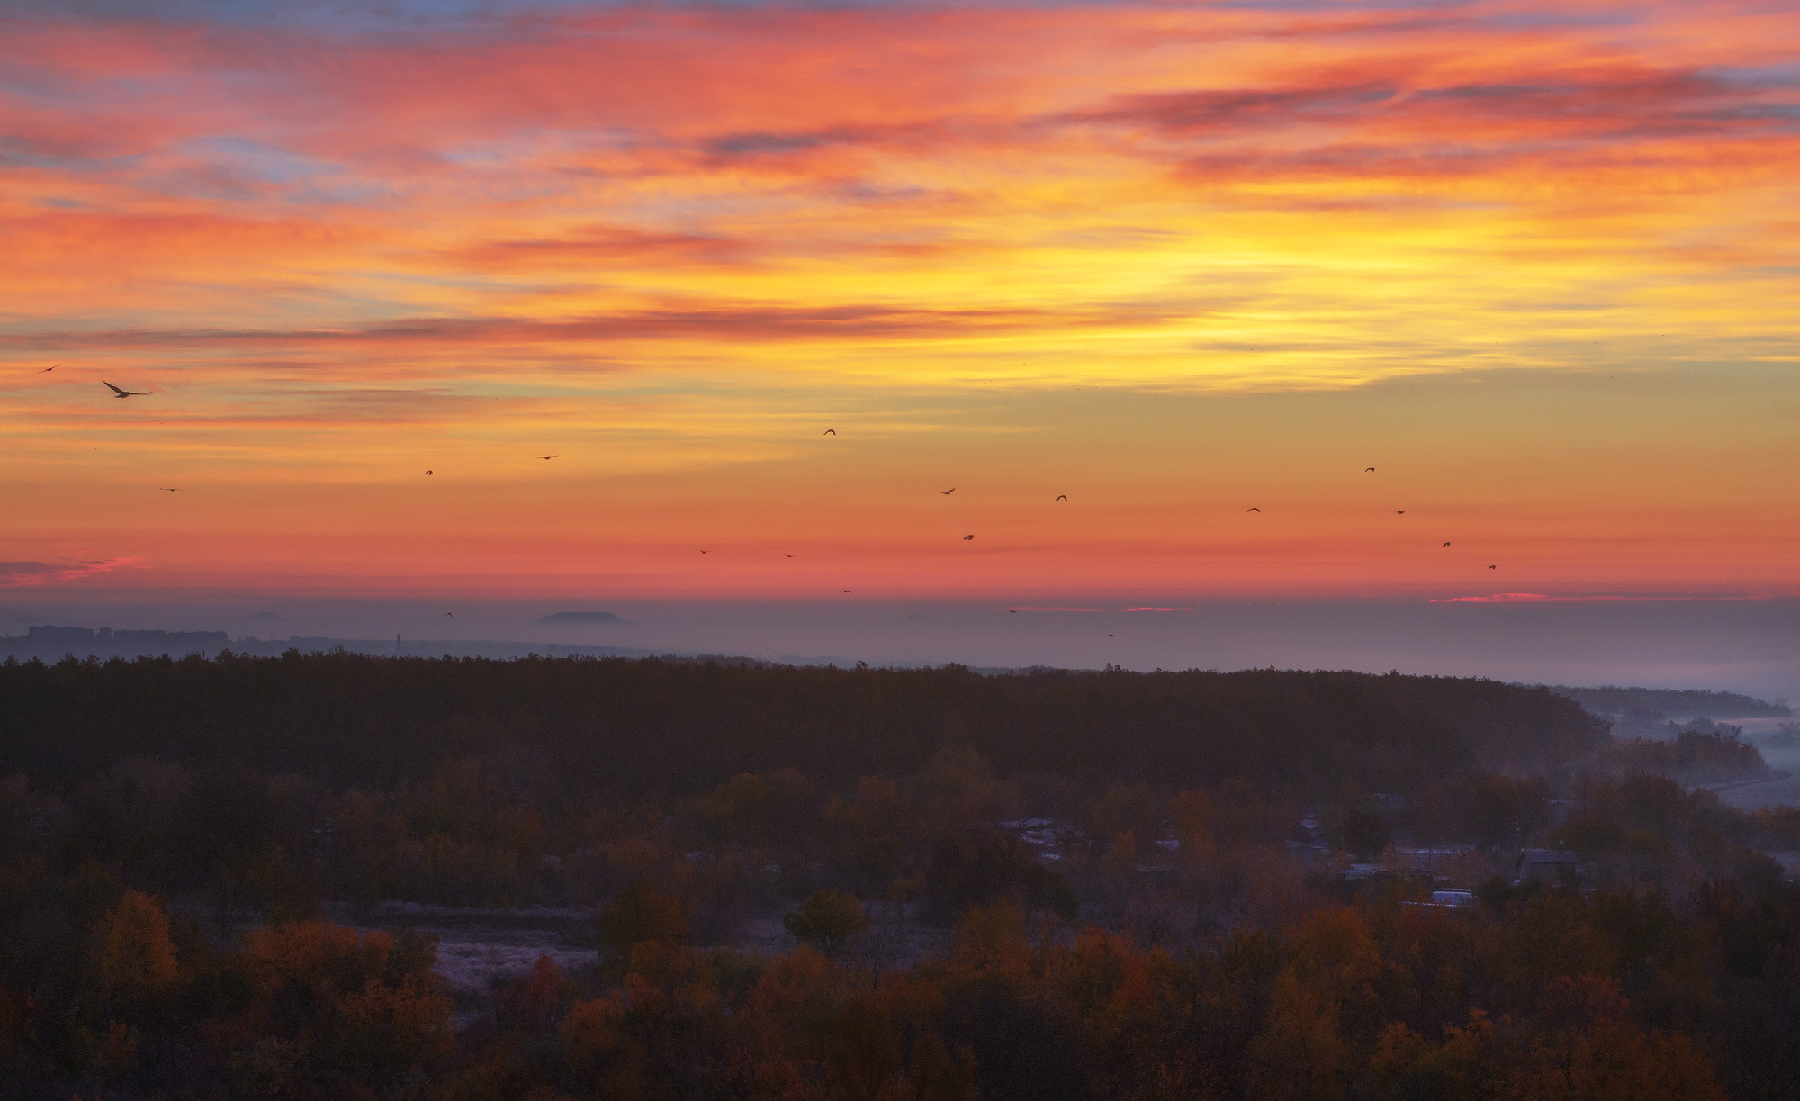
pixel 578 619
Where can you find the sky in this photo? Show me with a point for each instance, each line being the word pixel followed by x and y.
pixel 1534 263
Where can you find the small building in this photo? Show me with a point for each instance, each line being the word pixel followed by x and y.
pixel 1546 866
pixel 1439 858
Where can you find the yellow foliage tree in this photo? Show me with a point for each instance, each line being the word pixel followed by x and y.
pixel 136 957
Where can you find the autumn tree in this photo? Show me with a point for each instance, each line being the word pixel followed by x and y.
pixel 136 958
pixel 636 916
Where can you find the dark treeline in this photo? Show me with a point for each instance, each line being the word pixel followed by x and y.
pixel 356 720
pixel 1081 885
pixel 1700 751
pixel 1613 700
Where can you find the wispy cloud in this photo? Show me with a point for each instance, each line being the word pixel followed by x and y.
pixel 1604 598
pixel 346 243
pixel 13 574
pixel 705 176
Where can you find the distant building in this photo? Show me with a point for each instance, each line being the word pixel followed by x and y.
pixel 1546 865
pixel 1446 900
pixel 1046 836
pixel 1444 857
pixel 60 636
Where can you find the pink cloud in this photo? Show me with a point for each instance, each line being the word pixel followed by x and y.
pixel 17 574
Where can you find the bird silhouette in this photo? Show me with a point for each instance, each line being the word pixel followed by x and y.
pixel 1368 470
pixel 790 556
pixel 50 368
pixel 829 432
pixel 451 614
pixel 705 552
pixel 1446 544
pixel 948 492
pixel 1062 496
pixel 1399 512
pixel 1493 567
pixel 968 537
pixel 166 489
pixel 549 456
pixel 123 393
pixel 428 472
pixel 1253 510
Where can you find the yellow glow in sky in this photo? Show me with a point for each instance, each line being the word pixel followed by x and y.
pixel 1537 265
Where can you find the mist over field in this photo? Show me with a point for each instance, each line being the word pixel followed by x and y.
pixel 1749 646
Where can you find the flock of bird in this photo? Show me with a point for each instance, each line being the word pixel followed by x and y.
pixel 1397 512
pixel 122 394
pixel 1065 497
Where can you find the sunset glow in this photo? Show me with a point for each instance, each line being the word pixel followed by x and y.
pixel 1536 264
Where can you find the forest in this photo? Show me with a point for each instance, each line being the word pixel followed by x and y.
pixel 860 883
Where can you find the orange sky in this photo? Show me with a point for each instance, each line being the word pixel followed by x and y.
pixel 1538 264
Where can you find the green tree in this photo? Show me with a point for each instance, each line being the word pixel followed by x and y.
pixel 637 916
pixel 827 919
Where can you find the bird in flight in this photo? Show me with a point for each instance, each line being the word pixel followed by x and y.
pixel 706 552
pixel 166 489
pixel 1253 510
pixel 428 472
pixel 1493 567
pixel 451 614
pixel 968 537
pixel 1399 512
pixel 50 368
pixel 122 393
pixel 1446 544
pixel 790 556
pixel 1062 496
pixel 829 432
pixel 1368 470
pixel 948 492
pixel 549 456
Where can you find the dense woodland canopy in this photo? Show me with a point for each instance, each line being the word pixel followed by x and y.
pixel 351 719
pixel 1056 884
